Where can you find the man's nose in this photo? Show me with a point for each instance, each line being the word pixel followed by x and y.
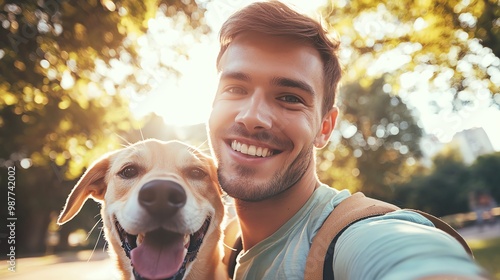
pixel 255 114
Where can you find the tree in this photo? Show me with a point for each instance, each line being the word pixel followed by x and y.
pixel 59 106
pixel 443 190
pixel 484 174
pixel 377 142
pixel 445 49
pixel 441 47
pixel 487 27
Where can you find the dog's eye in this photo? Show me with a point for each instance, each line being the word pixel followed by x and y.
pixel 129 172
pixel 197 173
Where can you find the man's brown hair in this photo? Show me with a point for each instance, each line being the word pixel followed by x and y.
pixel 277 19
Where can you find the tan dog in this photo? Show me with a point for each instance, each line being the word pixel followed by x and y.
pixel 161 209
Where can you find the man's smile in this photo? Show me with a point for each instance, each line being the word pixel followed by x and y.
pixel 251 150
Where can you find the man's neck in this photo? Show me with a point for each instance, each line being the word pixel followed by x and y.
pixel 260 219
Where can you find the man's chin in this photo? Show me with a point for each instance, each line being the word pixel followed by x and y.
pixel 244 192
pixel 250 193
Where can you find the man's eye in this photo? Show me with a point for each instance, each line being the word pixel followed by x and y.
pixel 290 99
pixel 129 172
pixel 235 90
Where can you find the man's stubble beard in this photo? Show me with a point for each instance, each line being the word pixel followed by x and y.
pixel 241 185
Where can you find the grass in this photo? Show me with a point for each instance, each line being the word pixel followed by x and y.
pixel 487 254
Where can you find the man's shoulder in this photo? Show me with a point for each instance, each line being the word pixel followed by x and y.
pixel 364 210
pixel 327 199
pixel 322 203
pixel 328 196
pixel 332 198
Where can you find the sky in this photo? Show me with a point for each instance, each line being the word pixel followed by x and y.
pixel 187 100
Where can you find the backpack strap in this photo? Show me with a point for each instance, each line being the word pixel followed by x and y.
pixel 232 245
pixel 349 211
pixel 354 208
pixel 231 260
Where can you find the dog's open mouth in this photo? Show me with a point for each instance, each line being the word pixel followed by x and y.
pixel 162 254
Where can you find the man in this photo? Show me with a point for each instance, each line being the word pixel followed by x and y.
pixel 274 106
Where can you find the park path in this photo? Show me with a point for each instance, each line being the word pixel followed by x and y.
pixel 78 265
pixel 68 265
pixel 488 231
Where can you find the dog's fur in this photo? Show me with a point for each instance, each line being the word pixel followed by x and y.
pixel 116 181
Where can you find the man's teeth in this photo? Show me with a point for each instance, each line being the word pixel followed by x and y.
pixel 251 149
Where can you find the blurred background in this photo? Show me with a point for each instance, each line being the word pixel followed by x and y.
pixel 419 102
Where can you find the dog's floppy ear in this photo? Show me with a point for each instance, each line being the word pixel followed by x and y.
pixel 92 184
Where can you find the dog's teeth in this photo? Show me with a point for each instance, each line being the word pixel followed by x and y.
pixel 186 239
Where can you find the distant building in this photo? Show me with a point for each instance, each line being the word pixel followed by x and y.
pixel 472 143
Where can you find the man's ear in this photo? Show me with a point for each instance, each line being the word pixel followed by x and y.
pixel 92 184
pixel 326 129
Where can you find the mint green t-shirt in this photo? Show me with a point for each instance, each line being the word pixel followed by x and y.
pixel 398 245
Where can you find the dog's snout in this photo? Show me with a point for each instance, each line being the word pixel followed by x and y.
pixel 162 198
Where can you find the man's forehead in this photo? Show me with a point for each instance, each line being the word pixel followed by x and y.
pixel 244 43
pixel 254 38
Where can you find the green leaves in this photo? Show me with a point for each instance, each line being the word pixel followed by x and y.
pixel 62 103
pixel 376 141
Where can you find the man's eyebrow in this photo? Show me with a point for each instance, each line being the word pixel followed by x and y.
pixel 292 83
pixel 235 75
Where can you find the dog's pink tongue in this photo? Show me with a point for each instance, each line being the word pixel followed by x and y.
pixel 160 255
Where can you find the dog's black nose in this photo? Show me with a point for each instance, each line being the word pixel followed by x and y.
pixel 162 198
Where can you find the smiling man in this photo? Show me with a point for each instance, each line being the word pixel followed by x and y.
pixel 274 106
